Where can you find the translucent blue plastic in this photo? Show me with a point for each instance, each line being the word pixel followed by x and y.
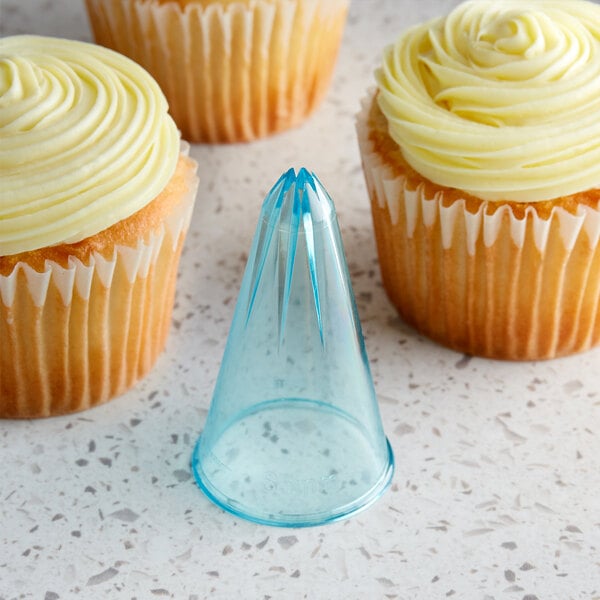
pixel 294 436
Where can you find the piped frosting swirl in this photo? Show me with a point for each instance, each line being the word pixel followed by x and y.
pixel 499 99
pixel 85 141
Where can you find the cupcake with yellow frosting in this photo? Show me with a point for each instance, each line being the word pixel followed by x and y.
pixel 481 153
pixel 95 200
pixel 232 70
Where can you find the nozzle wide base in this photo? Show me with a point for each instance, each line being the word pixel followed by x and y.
pixel 293 462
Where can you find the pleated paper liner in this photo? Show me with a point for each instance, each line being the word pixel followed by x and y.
pixel 75 336
pixel 492 282
pixel 231 73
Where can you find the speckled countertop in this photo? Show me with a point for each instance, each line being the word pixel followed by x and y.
pixel 496 493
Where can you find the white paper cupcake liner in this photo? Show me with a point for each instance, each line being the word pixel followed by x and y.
pixel 230 73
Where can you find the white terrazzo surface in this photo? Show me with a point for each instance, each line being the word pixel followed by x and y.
pixel 497 487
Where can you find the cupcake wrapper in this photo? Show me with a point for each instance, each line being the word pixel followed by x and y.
pixel 74 337
pixel 490 284
pixel 230 73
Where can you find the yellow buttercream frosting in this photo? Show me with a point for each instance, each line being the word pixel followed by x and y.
pixel 500 99
pixel 85 141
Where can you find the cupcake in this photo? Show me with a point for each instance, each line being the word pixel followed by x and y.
pixel 96 196
pixel 481 152
pixel 232 70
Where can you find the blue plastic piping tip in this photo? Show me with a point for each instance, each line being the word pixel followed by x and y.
pixel 293 436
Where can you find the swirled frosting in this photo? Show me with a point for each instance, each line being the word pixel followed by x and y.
pixel 499 99
pixel 85 141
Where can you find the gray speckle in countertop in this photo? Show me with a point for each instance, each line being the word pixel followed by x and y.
pixel 287 541
pixel 102 577
pixel 125 514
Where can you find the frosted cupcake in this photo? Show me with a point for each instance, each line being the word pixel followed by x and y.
pixel 95 200
pixel 481 152
pixel 232 70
